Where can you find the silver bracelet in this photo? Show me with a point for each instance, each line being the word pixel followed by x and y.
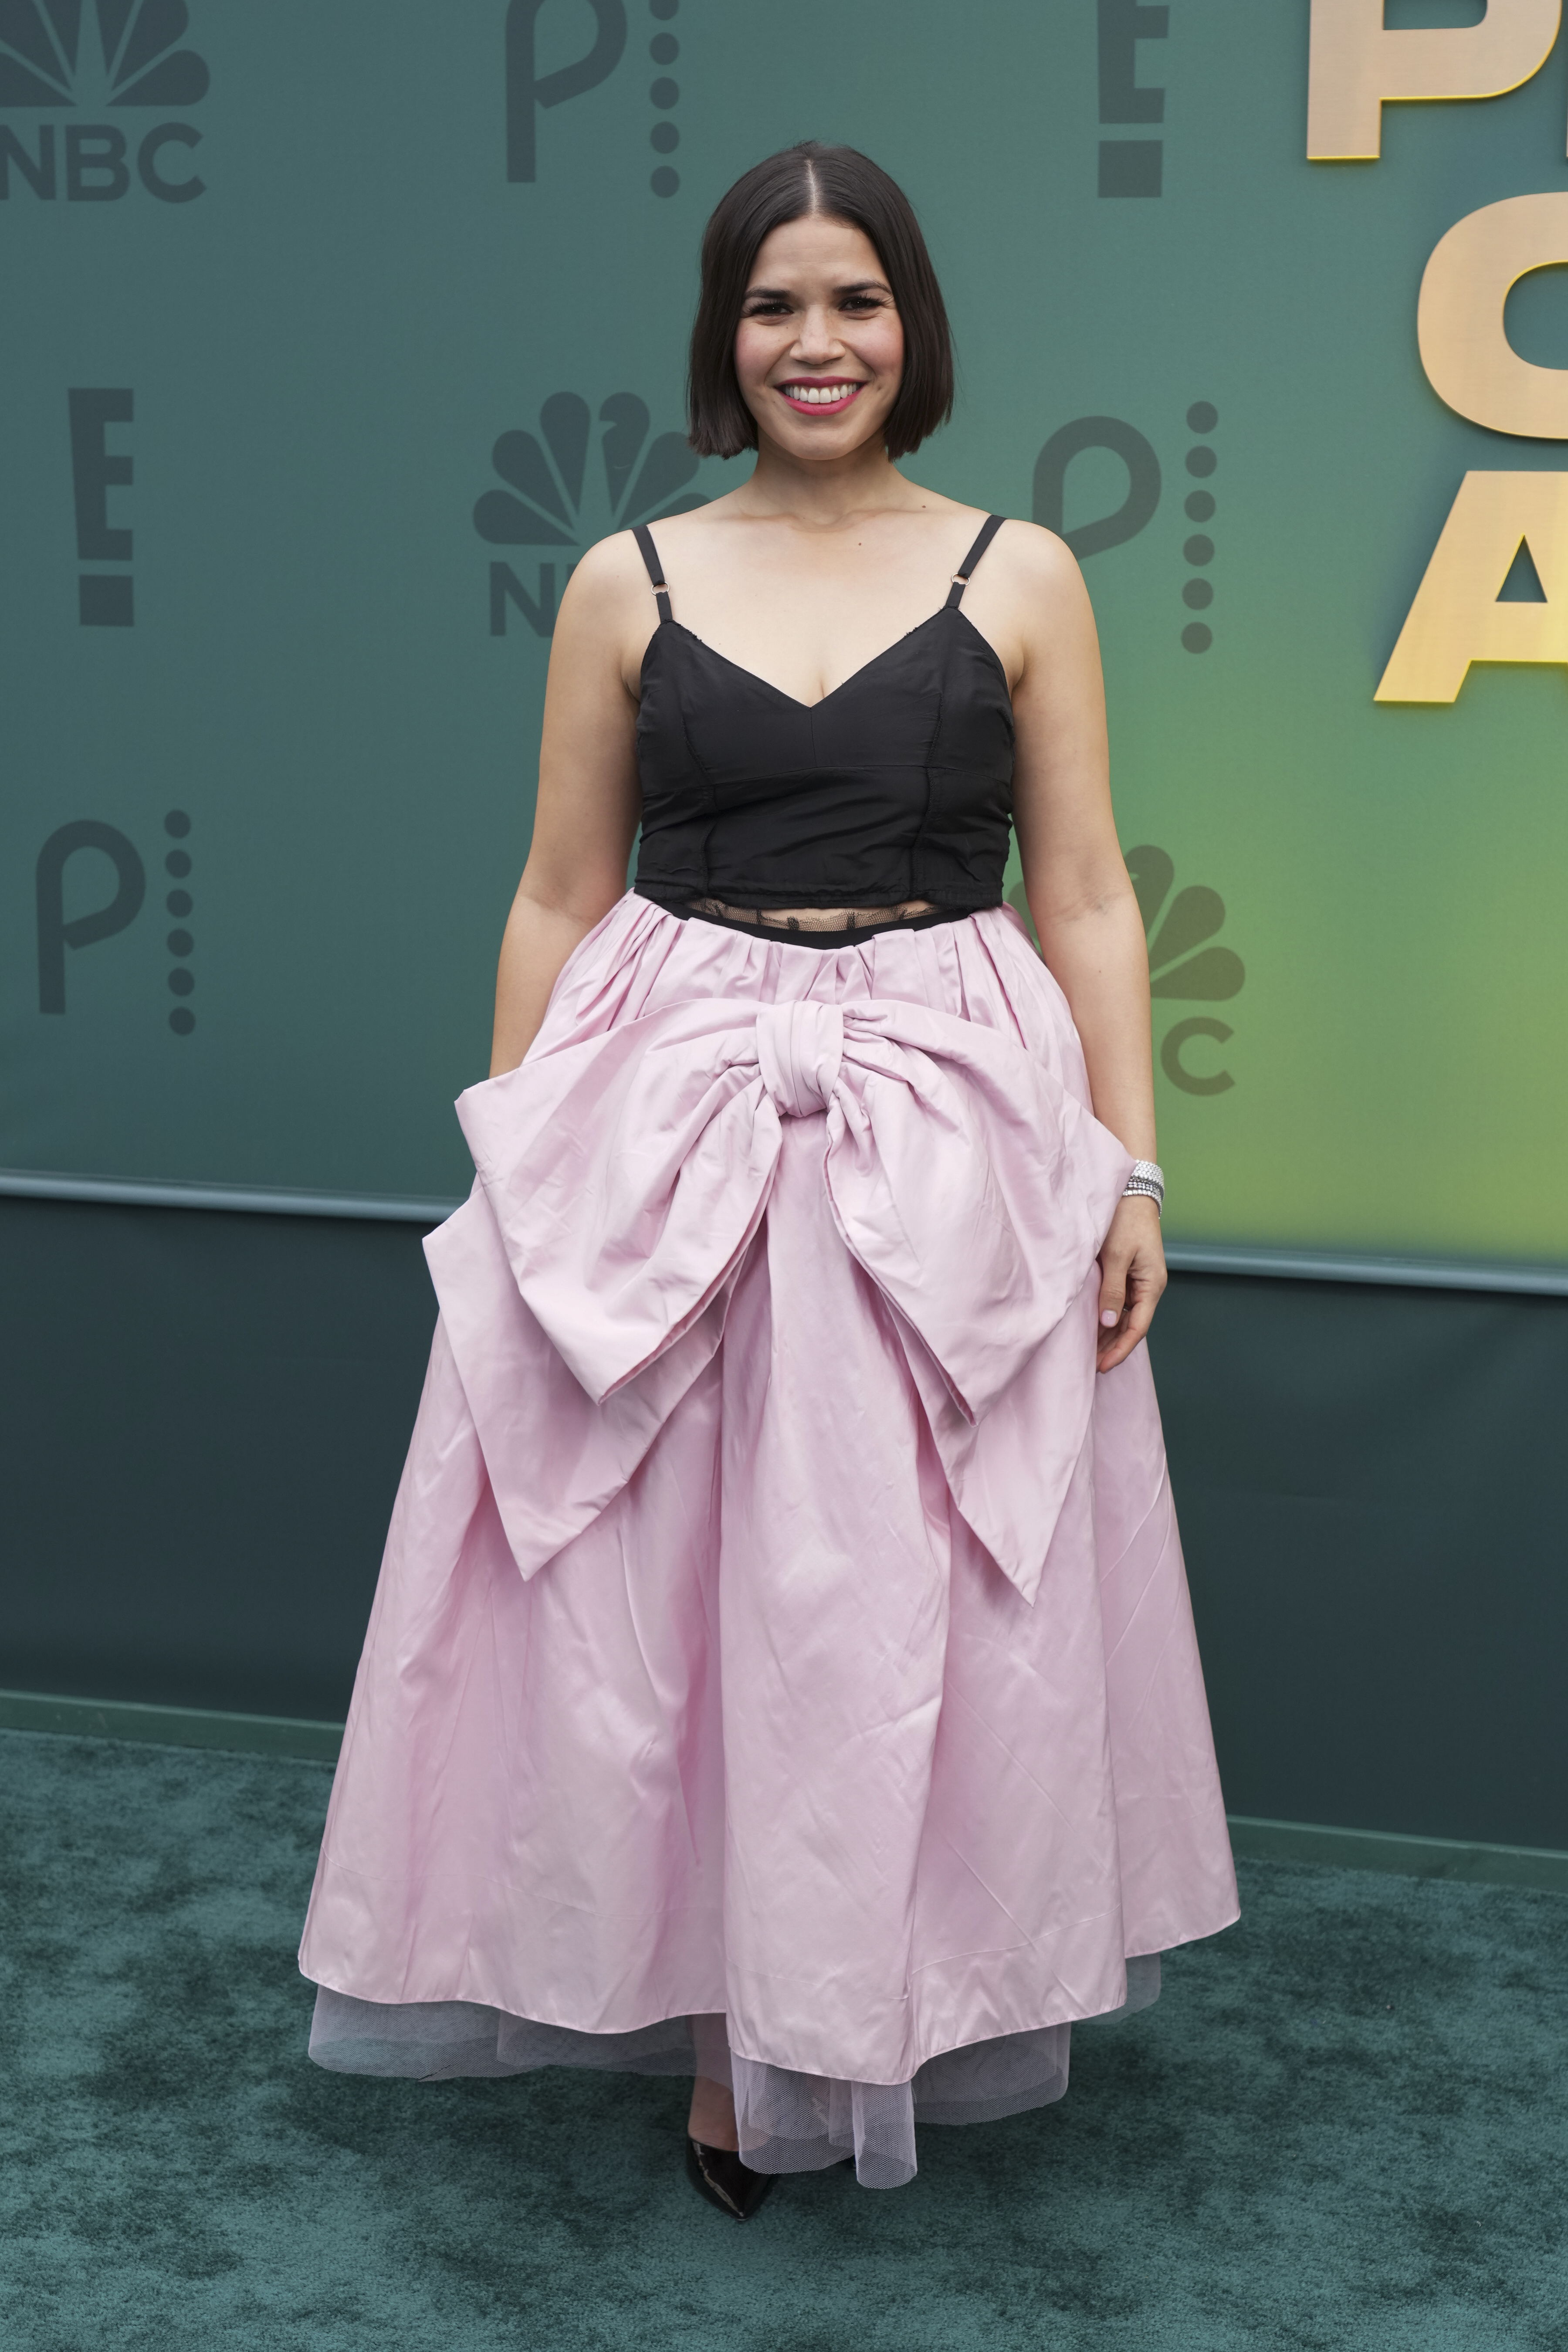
pixel 1149 1180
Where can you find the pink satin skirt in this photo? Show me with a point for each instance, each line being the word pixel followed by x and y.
pixel 782 1664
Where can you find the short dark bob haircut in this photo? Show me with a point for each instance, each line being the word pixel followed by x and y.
pixel 841 184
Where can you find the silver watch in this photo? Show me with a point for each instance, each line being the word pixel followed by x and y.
pixel 1149 1180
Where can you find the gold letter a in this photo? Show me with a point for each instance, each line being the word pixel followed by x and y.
pixel 1455 618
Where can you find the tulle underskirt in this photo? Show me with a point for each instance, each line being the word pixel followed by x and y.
pixel 787 2122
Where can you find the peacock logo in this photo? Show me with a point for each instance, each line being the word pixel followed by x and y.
pixel 47 59
pixel 553 500
pixel 136 59
pixel 1183 965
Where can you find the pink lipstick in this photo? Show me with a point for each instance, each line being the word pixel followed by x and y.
pixel 827 396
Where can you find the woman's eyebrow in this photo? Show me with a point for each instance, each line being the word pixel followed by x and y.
pixel 788 293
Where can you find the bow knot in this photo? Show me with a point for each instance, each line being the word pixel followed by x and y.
pixel 800 1047
pixel 624 1176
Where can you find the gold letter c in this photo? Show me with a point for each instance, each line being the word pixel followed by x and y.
pixel 1468 359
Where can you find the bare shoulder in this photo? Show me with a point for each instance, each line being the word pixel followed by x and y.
pixel 607 610
pixel 607 579
pixel 1034 563
pixel 1029 598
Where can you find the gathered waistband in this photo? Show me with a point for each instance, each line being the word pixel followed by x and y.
pixel 754 922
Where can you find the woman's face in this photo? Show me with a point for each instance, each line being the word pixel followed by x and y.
pixel 819 351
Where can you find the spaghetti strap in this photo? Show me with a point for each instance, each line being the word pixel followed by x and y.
pixel 988 531
pixel 644 538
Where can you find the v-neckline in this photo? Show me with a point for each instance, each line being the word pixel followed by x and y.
pixel 794 699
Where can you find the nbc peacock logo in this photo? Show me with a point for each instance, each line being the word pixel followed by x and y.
pixel 1184 964
pixel 116 53
pixel 553 499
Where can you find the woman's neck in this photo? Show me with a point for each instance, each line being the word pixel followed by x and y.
pixel 823 494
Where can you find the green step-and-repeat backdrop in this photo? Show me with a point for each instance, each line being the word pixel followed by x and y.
pixel 334 330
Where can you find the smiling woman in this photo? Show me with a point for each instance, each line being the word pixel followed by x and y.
pixel 888 297
pixel 782 1672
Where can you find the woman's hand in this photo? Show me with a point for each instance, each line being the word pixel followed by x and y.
pixel 1132 1278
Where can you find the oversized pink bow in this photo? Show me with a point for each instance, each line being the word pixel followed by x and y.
pixel 628 1172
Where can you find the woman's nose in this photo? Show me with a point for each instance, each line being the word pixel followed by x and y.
pixel 818 336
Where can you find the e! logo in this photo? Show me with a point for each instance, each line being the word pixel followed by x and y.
pixel 106 599
pixel 1130 167
pixel 527 90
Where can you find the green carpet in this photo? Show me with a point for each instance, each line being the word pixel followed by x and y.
pixel 1342 2127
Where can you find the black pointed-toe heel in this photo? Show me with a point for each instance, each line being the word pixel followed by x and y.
pixel 718 2174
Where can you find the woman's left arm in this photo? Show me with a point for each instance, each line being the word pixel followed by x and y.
pixel 1085 912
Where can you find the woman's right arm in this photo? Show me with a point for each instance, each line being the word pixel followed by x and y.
pixel 589 802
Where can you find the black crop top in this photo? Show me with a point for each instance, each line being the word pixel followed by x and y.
pixel 895 787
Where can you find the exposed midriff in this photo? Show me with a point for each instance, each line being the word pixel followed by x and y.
pixel 813 918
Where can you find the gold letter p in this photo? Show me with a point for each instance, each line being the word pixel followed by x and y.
pixel 1356 66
